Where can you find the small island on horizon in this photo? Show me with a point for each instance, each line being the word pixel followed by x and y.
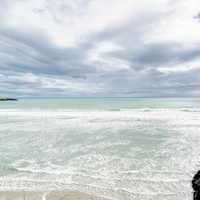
pixel 7 99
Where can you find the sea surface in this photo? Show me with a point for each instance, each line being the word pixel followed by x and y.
pixel 118 148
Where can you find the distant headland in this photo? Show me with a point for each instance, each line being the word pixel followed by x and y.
pixel 7 99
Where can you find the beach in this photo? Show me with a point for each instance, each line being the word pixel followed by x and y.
pixel 111 148
pixel 46 196
pixel 99 100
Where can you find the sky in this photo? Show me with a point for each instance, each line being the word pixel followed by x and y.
pixel 141 48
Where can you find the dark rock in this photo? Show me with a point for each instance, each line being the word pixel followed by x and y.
pixel 7 99
pixel 196 186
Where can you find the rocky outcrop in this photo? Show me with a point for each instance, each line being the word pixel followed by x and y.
pixel 7 99
pixel 196 186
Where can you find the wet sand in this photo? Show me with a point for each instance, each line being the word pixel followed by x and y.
pixel 47 196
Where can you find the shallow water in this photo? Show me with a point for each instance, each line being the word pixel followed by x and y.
pixel 119 148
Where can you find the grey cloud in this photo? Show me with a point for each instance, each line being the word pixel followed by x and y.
pixel 131 37
pixel 24 52
pixel 165 54
pixel 197 16
pixel 157 55
pixel 35 53
pixel 150 82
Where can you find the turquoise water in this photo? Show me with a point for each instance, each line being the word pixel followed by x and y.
pixel 117 148
pixel 101 103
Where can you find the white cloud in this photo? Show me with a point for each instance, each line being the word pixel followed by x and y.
pixel 97 46
pixel 179 25
pixel 69 22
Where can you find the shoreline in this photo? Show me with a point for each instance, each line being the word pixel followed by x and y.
pixel 53 195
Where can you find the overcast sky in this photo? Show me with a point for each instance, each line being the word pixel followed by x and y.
pixel 100 48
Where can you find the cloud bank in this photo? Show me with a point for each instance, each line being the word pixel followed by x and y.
pixel 99 48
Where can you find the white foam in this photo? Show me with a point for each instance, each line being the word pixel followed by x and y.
pixel 131 153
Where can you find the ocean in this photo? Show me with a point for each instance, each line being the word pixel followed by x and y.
pixel 116 148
